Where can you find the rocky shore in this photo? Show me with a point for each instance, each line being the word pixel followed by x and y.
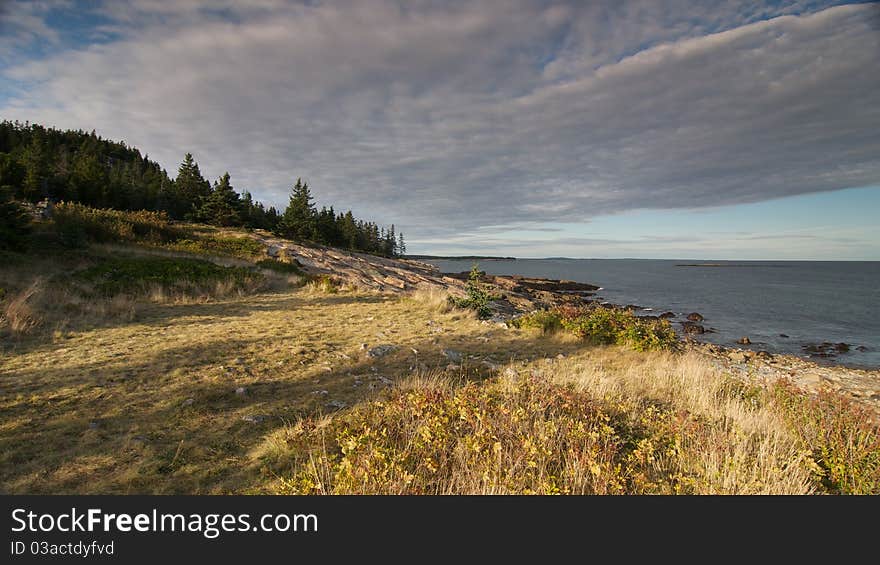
pixel 517 295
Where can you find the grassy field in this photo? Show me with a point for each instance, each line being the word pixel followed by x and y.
pixel 151 370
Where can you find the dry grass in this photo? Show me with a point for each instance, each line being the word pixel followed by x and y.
pixel 18 314
pixel 603 421
pixel 259 393
pixel 434 298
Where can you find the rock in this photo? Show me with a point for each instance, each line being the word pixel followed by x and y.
pixel 692 328
pixel 453 355
pixel 783 335
pixel 861 348
pixel 381 350
pixel 189 401
pixel 241 391
pixel 453 367
pixel 321 392
pixel 737 356
pixel 842 347
pixel 337 404
pixel 695 317
pixel 744 340
pixel 667 315
pixel 510 372
pixel 560 356
pixel 93 425
pixel 255 418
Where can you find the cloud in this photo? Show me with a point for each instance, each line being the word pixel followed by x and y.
pixel 444 117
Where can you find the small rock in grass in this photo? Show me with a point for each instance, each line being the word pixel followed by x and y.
pixel 189 401
pixel 255 418
pixel 241 391
pixel 452 355
pixel 381 350
pixel 338 404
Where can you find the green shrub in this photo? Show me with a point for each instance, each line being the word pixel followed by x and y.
pixel 281 267
pixel 77 224
pixel 244 247
pixel 134 275
pixel 602 325
pixel 477 298
pixel 545 320
pixel 14 222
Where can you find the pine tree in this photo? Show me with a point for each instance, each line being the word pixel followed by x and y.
pixel 36 164
pixel 223 206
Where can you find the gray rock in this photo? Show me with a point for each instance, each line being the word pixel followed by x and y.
pixel 744 340
pixel 189 401
pixel 255 418
pixel 452 355
pixel 241 391
pixel 337 404
pixel 381 350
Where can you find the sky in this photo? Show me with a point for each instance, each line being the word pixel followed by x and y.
pixel 532 128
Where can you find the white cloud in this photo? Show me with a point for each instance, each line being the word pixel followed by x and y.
pixel 443 117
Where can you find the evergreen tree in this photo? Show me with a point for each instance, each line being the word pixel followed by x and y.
pixel 191 188
pixel 14 221
pixel 223 206
pixel 298 220
pixel 401 246
pixel 36 165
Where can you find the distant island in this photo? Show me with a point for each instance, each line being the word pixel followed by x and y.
pixel 461 257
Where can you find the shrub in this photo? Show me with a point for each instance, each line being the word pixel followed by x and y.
pixel 843 438
pixel 322 284
pixel 244 247
pixel 602 325
pixel 77 224
pixel 522 436
pixel 135 275
pixel 280 267
pixel 544 320
pixel 477 298
pixel 14 222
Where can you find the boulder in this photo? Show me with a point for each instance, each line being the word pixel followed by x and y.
pixel 692 328
pixel 667 315
pixel 744 340
pixel 380 350
pixel 695 317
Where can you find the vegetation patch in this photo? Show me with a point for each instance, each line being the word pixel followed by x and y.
pixel 136 275
pixel 522 436
pixel 242 247
pixel 603 326
pixel 281 267
pixel 843 439
pixel 477 298
pixel 76 225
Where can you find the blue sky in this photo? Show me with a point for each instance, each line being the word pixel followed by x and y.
pixel 684 129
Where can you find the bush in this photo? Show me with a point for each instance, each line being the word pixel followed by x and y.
pixel 843 439
pixel 522 436
pixel 281 267
pixel 135 275
pixel 602 325
pixel 477 298
pixel 14 222
pixel 77 224
pixel 244 247
pixel 544 320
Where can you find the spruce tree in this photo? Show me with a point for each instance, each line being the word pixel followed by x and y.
pixel 401 245
pixel 222 207
pixel 192 189
pixel 299 219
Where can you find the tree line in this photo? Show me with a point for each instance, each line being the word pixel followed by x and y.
pixel 37 162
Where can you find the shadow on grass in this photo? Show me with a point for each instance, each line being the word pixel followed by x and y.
pixel 178 422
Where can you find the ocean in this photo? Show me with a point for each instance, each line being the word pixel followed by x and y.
pixel 808 301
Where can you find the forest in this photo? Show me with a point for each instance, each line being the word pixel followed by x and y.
pixel 39 163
